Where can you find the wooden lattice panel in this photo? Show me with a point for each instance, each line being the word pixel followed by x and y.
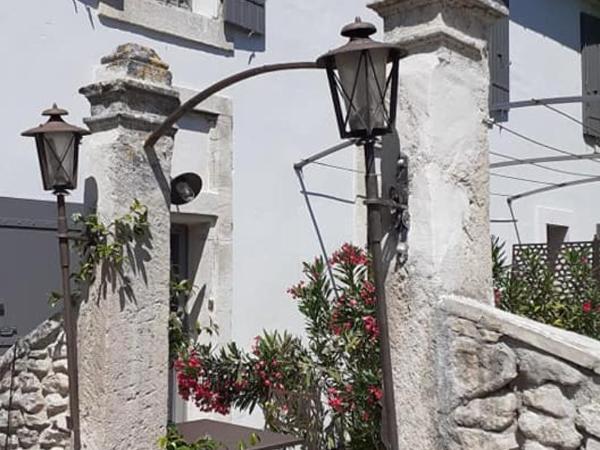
pixel 539 254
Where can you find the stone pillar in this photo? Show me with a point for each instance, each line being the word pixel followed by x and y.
pixel 442 106
pixel 123 335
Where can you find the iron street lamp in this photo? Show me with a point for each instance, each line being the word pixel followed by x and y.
pixel 365 98
pixel 58 152
pixel 364 93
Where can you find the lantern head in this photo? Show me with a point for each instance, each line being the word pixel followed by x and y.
pixel 57 145
pixel 364 92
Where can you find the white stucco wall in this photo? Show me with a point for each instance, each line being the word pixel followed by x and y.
pixel 545 62
pixel 50 48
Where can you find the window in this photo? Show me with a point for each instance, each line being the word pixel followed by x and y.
pixel 186 4
pixel 246 14
pixel 590 69
pixel 190 21
pixel 179 270
pixel 500 68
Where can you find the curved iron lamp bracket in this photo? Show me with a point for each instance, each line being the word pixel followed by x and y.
pixel 189 105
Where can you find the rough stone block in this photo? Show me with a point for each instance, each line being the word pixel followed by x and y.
pixel 44 335
pixel 532 445
pixel 60 366
pixel 53 438
pixel 38 354
pixel 31 403
pixel 27 438
pixel 549 399
pixel 588 418
pixel 29 382
pixel 474 439
pixel 537 369
pixel 16 419
pixel 37 421
pixel 481 369
pixel 592 444
pixel 56 383
pixel 491 414
pixel 55 404
pixel 40 367
pixel 550 431
pixel 464 327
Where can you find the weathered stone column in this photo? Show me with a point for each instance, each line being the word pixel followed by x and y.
pixel 123 334
pixel 442 106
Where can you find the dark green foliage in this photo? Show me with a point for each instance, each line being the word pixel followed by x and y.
pixel 569 299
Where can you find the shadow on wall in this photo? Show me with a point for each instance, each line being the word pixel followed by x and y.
pixel 556 19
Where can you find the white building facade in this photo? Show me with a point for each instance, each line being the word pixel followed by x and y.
pixel 550 52
pixel 243 144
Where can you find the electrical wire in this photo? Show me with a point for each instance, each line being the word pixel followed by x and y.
pixel 528 180
pixel 568 116
pixel 542 166
pixel 538 143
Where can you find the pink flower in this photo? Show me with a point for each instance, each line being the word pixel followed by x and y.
pixel 371 326
pixel 376 392
pixel 334 400
pixel 587 307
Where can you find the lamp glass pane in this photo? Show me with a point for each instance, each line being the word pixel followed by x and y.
pixel 60 159
pixel 363 80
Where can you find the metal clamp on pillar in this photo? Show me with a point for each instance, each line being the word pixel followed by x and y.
pixel 400 214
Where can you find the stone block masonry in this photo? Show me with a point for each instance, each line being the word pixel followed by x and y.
pixel 506 382
pixel 34 394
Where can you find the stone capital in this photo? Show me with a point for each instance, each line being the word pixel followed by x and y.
pixel 133 90
pixel 424 25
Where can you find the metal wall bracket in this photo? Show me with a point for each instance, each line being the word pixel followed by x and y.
pixel 398 194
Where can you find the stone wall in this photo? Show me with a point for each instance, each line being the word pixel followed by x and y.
pixel 39 387
pixel 507 382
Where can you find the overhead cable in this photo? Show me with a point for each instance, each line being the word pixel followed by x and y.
pixel 538 143
pixel 528 180
pixel 541 166
pixel 568 116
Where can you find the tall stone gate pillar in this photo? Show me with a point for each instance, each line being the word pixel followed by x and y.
pixel 123 334
pixel 443 104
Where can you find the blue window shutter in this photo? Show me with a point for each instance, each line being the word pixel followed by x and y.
pixel 246 14
pixel 499 54
pixel 590 69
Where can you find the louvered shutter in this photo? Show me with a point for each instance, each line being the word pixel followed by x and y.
pixel 590 61
pixel 499 45
pixel 246 14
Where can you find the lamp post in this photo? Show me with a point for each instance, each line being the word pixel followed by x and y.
pixel 57 145
pixel 365 97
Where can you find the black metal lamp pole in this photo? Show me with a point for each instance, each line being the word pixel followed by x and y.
pixel 70 319
pixel 58 153
pixel 365 101
pixel 365 97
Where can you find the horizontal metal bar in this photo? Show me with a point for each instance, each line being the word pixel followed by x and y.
pixel 552 188
pixel 545 101
pixel 544 160
pixel 323 154
pixel 328 197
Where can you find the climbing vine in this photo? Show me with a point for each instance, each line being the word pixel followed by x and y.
pixel 108 246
